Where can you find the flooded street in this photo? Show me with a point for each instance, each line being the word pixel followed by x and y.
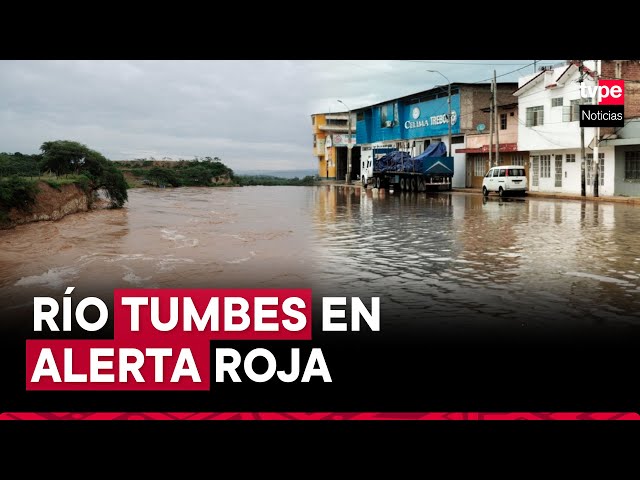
pixel 433 259
pixel 460 259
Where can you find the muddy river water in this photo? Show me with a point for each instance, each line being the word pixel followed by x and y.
pixel 434 258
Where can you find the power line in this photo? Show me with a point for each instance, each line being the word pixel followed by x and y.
pixel 459 63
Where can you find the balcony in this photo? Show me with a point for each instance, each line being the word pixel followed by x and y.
pixel 336 128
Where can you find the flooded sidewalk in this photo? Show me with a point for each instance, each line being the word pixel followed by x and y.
pixel 478 191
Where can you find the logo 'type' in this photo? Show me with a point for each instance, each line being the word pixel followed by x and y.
pixel 609 110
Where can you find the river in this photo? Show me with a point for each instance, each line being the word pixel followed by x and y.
pixel 435 259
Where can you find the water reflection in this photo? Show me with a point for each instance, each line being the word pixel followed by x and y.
pixel 464 258
pixel 435 259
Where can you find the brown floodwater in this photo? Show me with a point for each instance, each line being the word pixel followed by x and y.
pixel 433 259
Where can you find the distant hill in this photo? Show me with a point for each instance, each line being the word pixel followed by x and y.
pixel 279 173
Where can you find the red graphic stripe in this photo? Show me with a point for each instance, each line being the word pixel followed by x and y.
pixel 320 416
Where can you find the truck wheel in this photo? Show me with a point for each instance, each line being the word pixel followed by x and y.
pixel 501 192
pixel 485 192
pixel 364 182
pixel 402 184
pixel 378 182
pixel 421 185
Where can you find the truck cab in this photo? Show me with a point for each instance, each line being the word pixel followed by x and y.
pixel 366 170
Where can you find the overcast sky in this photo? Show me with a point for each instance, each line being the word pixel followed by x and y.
pixel 253 114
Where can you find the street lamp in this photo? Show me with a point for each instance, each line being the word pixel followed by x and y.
pixel 449 102
pixel 348 178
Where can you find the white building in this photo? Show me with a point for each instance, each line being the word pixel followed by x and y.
pixel 548 127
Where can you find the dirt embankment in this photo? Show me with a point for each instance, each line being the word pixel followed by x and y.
pixel 51 204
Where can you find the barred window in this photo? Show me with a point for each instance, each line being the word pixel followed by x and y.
pixel 535 167
pixel 632 165
pixel 571 158
pixel 558 171
pixel 545 166
pixel 556 102
pixel 518 160
pixel 479 167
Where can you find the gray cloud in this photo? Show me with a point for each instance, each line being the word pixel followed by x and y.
pixel 253 114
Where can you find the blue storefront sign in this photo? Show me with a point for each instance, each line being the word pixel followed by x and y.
pixel 403 121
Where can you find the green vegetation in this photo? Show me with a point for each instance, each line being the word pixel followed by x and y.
pixel 246 180
pixel 204 172
pixel 64 157
pixel 61 162
pixel 17 192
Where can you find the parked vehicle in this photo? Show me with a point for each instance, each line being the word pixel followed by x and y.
pixel 431 170
pixel 505 180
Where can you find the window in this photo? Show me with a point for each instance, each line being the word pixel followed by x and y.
pixel 359 116
pixel 535 116
pixel 389 115
pixel 503 121
pixel 600 168
pixel 571 113
pixel 571 158
pixel 556 102
pixel 632 165
pixel 545 166
pixel 495 172
pixel 478 167
pixel 489 173
pixel 502 172
pixel 515 172
pixel 315 141
pixel 313 120
pixel 458 139
pixel 535 166
pixel 558 171
pixel 518 160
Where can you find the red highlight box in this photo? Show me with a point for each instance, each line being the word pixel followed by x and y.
pixel 611 92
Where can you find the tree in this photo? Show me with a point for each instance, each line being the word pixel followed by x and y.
pixel 63 156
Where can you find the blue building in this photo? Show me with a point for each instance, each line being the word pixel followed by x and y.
pixel 413 122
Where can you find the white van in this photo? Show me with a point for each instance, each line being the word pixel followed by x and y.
pixel 505 179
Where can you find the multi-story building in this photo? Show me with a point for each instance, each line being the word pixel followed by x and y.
pixel 413 122
pixel 549 128
pixel 479 143
pixel 330 143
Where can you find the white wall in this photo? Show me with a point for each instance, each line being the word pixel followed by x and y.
pixel 554 133
pixel 572 172
pixel 459 164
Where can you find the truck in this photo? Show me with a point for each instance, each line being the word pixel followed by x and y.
pixel 390 168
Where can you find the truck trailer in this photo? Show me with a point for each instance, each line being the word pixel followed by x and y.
pixel 398 170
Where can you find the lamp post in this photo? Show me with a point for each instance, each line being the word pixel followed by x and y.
pixel 449 102
pixel 348 177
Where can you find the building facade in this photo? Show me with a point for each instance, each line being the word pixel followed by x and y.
pixel 330 142
pixel 478 145
pixel 413 122
pixel 549 128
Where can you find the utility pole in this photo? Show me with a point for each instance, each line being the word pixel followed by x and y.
pixel 449 103
pixel 348 177
pixel 596 160
pixel 497 118
pixel 491 128
pixel 583 190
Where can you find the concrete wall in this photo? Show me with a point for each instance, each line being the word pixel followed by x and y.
pixel 625 187
pixel 572 173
